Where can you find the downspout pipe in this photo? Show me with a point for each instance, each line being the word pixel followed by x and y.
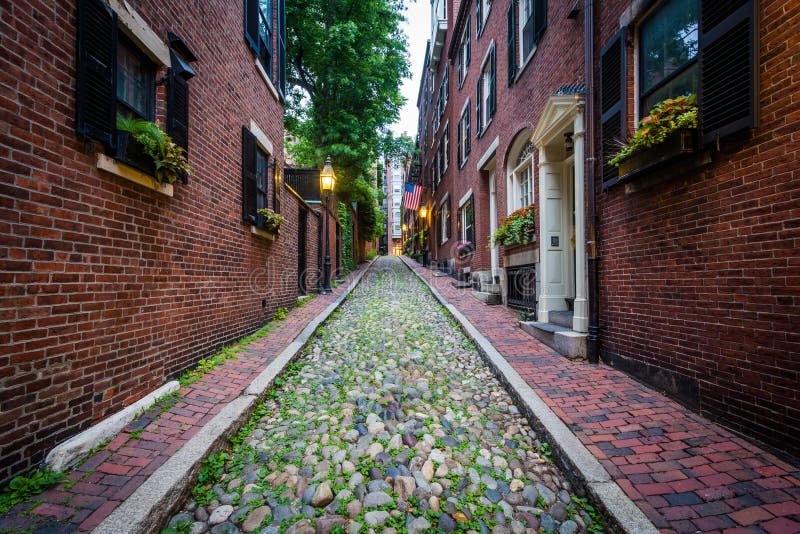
pixel 593 338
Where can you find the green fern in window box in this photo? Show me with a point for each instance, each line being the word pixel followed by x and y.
pixel 271 221
pixel 666 117
pixel 168 158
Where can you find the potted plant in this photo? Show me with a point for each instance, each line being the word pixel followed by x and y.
pixel 147 147
pixel 271 221
pixel 667 131
pixel 517 228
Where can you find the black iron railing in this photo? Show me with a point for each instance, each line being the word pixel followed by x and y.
pixel 522 288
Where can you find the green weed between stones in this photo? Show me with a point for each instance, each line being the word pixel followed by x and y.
pixel 183 527
pixel 23 487
pixel 281 313
pixel 583 504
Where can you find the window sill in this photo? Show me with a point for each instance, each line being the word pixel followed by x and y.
pixel 485 127
pixel 112 166
pixel 258 232
pixel 265 76
pixel 525 64
pixel 463 162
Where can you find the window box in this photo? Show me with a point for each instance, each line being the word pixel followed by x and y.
pixel 131 152
pixel 675 147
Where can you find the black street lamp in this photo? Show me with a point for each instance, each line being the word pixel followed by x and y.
pixel 327 180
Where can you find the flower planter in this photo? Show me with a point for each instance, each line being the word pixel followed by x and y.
pixel 676 145
pixel 131 152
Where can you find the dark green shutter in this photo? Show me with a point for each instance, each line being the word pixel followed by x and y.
pixel 512 41
pixel 478 102
pixel 728 67
pixel 96 98
pixel 492 83
pixel 469 43
pixel 249 177
pixel 613 100
pixel 539 19
pixel 478 16
pixel 251 23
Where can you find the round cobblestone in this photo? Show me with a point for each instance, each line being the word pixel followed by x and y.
pixel 389 421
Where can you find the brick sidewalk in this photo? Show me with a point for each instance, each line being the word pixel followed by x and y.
pixel 94 489
pixel 685 473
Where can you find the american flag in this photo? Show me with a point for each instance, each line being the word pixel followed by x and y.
pixel 412 196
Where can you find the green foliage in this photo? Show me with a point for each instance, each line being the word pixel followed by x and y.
pixel 583 503
pixel 169 158
pixel 272 220
pixel 346 222
pixel 183 527
pixel 516 229
pixel 665 118
pixel 136 434
pixel 281 313
pixel 346 60
pixel 23 487
pixel 372 254
pixel 211 473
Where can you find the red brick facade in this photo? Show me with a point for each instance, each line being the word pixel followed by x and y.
pixel 698 266
pixel 111 288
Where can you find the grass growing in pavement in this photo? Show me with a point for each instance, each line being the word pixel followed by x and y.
pixel 23 487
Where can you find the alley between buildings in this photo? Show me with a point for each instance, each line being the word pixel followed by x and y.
pixel 390 421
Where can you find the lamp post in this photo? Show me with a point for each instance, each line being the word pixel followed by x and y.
pixel 327 180
pixel 423 222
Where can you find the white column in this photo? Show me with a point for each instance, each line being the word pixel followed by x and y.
pixel 542 314
pixel 493 223
pixel 580 320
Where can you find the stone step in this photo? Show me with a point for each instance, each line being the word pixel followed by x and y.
pixel 562 318
pixel 492 299
pixel 563 340
pixel 461 284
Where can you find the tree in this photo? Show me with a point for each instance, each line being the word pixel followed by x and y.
pixel 346 59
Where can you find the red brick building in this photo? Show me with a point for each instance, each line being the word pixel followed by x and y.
pixel 113 283
pixel 681 270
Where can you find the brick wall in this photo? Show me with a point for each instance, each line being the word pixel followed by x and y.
pixel 109 288
pixel 700 277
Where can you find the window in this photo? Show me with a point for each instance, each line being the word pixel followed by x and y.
pixel 255 179
pixel 520 181
pixel 135 82
pixel 259 30
pixel 446 148
pixel 444 220
pixel 467 222
pixel 464 135
pixel 532 23
pixel 485 93
pixel 464 54
pixel 668 53
pixel 481 14
pixel 116 77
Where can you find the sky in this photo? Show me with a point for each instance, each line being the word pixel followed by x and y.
pixel 418 30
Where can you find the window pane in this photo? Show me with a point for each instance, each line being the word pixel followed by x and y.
pixel 669 41
pixel 684 84
pixel 134 78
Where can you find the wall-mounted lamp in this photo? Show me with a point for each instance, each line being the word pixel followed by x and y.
pixel 568 144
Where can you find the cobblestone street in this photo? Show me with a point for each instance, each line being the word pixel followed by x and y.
pixel 389 422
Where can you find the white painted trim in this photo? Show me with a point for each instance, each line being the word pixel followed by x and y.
pixel 71 451
pixel 444 199
pixel 261 138
pixel 134 26
pixel 486 54
pixel 489 152
pixel 117 168
pixel 465 198
pixel 465 106
pixel 265 76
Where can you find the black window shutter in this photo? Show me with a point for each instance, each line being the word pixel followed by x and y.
pixel 613 99
pixel 460 140
pixel 249 177
pixel 178 110
pixel 512 42
pixel 467 133
pixel 96 98
pixel 492 83
pixel 540 19
pixel 478 102
pixel 728 67
pixel 469 43
pixel 478 16
pixel 251 23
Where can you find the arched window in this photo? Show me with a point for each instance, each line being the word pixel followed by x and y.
pixel 520 179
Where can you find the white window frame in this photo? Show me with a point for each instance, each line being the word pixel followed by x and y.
pixel 444 213
pixel 486 7
pixel 463 61
pixel 464 140
pixel 522 17
pixel 522 172
pixel 446 146
pixel 485 78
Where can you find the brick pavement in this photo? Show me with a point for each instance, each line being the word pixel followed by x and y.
pixel 95 488
pixel 684 472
